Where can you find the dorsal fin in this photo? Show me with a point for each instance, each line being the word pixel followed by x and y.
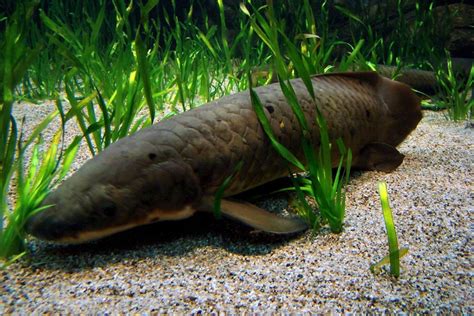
pixel 371 77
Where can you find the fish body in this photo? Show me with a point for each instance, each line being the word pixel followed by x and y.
pixel 172 169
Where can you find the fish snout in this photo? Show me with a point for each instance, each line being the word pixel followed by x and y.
pixel 46 225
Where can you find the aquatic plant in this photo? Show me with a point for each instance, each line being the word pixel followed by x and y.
pixel 35 179
pixel 33 183
pixel 394 253
pixel 454 90
pixel 388 39
pixel 118 91
pixel 319 183
pixel 15 59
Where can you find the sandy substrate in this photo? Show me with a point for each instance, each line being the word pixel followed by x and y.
pixel 205 265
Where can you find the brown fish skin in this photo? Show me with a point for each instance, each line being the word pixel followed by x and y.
pixel 420 80
pixel 423 81
pixel 172 169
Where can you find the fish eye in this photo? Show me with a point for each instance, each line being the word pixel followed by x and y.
pixel 109 208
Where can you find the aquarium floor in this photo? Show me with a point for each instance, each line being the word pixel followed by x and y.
pixel 204 265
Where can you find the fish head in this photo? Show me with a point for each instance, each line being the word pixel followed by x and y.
pixel 122 187
pixel 403 111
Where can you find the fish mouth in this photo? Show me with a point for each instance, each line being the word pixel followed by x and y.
pixel 48 225
pixel 52 228
pixel 91 235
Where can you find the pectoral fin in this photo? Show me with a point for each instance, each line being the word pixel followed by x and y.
pixel 379 157
pixel 261 219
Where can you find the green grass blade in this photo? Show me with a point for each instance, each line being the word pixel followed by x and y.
pixel 299 64
pixel 292 99
pixel 223 29
pixel 394 252
pixel 374 268
pixel 76 110
pixel 307 211
pixel 40 128
pixel 62 30
pixel 69 155
pixel 208 44
pixel 144 74
pixel 145 11
pixel 8 262
pixel 349 14
pixel 282 150
pixel 221 190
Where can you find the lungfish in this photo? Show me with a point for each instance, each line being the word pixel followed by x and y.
pixel 172 169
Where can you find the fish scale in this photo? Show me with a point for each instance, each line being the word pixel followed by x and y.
pixel 265 164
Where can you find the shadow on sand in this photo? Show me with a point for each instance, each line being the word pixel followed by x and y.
pixel 163 239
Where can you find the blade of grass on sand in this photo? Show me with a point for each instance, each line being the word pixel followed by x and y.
pixel 394 253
